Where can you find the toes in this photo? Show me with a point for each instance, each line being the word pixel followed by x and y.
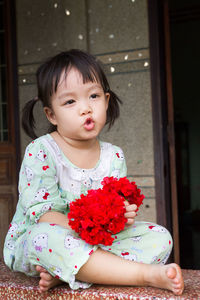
pixel 46 276
pixel 46 285
pixel 177 285
pixel 43 289
pixel 176 281
pixel 43 283
pixel 40 269
pixel 174 273
pixel 177 291
pixel 171 273
pixel 46 279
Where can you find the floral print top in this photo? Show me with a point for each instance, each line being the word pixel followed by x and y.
pixel 49 181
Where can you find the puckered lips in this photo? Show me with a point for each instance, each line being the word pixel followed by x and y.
pixel 89 124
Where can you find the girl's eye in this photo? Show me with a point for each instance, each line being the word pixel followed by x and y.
pixel 68 102
pixel 94 96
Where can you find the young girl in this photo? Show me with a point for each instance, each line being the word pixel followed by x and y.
pixel 59 167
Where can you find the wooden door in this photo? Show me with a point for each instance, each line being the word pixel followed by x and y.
pixel 171 134
pixel 163 119
pixel 9 129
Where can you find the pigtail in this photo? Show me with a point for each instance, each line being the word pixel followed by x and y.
pixel 113 111
pixel 28 121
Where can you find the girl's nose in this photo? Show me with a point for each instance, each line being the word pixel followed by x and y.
pixel 85 108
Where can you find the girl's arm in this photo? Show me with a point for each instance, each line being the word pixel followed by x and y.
pixel 55 217
pixel 62 220
pixel 119 169
pixel 39 191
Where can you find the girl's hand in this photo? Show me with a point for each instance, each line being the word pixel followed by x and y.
pixel 130 213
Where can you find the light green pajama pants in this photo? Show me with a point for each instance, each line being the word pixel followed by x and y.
pixel 63 253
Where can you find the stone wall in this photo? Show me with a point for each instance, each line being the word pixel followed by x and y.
pixel 117 33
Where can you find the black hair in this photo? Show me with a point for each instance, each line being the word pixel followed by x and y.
pixel 48 76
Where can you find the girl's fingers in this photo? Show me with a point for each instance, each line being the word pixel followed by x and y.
pixel 131 207
pixel 131 214
pixel 130 222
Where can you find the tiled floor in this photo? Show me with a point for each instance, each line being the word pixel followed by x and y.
pixel 18 286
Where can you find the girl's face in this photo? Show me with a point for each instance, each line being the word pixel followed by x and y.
pixel 78 109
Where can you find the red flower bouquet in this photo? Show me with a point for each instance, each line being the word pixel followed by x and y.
pixel 100 213
pixel 123 187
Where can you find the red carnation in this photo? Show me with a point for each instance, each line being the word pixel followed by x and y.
pixel 100 213
pixel 125 188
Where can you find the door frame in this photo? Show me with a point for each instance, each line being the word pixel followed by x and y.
pixel 12 75
pixel 10 148
pixel 163 120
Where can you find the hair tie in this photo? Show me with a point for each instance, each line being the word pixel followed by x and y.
pixel 36 99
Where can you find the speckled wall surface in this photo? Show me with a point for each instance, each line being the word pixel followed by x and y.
pixel 117 33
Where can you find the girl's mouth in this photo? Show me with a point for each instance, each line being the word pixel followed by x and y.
pixel 89 124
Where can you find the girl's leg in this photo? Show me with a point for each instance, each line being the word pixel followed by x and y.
pixel 106 268
pixel 141 243
pixel 56 249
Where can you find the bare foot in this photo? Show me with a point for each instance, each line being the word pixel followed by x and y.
pixel 47 281
pixel 167 277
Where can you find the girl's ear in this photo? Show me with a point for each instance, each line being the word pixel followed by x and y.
pixel 50 115
pixel 107 96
